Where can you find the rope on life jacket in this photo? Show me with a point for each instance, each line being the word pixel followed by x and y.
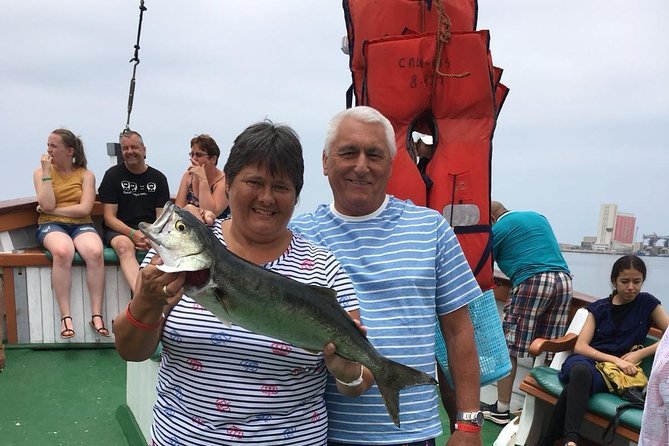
pixel 135 59
pixel 443 36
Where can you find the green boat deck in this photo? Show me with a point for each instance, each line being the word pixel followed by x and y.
pixel 55 395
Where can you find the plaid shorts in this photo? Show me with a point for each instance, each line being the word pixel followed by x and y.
pixel 537 308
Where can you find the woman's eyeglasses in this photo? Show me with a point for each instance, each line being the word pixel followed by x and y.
pixel 196 154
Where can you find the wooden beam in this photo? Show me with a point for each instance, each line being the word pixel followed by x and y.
pixel 21 213
pixel 10 304
pixel 30 257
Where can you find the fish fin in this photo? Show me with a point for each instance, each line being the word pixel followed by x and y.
pixel 223 316
pixel 212 298
pixel 225 322
pixel 392 377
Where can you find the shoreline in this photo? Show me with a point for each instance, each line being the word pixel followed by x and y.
pixel 609 252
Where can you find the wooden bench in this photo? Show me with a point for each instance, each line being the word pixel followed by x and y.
pixel 543 387
pixel 31 309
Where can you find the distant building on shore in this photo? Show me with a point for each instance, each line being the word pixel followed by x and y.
pixel 623 231
pixel 615 231
pixel 606 224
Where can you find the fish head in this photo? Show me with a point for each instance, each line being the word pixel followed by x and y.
pixel 183 243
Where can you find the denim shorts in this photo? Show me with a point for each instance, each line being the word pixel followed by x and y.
pixel 71 229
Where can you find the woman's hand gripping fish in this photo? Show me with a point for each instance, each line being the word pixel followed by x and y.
pixel 239 292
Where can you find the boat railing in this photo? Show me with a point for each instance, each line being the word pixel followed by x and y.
pixel 503 288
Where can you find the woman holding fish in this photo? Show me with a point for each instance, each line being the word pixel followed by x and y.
pixel 223 384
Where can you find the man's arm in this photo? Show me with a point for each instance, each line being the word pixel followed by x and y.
pixel 109 196
pixel 464 366
pixel 109 211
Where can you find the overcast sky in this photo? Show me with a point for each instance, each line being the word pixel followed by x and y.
pixel 584 124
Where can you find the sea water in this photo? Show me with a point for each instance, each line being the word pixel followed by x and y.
pixel 592 274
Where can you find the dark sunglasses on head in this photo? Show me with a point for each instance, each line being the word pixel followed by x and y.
pixel 196 154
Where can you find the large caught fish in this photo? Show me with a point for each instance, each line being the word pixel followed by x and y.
pixel 242 293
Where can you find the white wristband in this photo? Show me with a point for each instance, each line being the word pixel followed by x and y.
pixel 355 382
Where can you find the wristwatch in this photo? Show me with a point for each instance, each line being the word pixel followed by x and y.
pixel 476 418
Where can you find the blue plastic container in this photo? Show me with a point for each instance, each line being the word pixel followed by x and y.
pixel 494 360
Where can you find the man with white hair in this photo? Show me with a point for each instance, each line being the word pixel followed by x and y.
pixel 408 271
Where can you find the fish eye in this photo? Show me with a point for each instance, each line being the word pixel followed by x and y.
pixel 180 226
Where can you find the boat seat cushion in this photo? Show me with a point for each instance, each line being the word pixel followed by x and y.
pixel 109 255
pixel 602 404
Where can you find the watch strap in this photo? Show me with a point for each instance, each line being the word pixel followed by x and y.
pixel 465 427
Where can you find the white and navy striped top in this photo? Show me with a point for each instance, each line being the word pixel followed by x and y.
pixel 224 386
pixel 407 268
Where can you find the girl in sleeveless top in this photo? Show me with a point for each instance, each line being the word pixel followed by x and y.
pixel 203 184
pixel 65 194
pixel 614 325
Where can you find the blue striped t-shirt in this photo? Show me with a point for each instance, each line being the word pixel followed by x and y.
pixel 407 268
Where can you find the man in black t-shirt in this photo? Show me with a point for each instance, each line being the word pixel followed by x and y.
pixel 131 192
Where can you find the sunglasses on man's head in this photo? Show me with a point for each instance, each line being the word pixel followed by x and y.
pixel 196 154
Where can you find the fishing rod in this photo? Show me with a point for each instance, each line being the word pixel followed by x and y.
pixel 114 148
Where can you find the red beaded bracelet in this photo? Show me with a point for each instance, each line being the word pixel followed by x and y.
pixel 464 427
pixel 141 325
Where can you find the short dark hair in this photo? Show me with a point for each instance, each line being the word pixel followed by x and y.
pixel 629 261
pixel 275 147
pixel 207 143
pixel 127 133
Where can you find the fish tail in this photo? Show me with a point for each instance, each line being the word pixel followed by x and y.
pixel 392 377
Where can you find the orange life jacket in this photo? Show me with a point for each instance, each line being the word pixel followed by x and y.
pixel 399 73
pixel 394 74
pixel 371 19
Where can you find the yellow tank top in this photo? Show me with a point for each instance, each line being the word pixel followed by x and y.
pixel 67 190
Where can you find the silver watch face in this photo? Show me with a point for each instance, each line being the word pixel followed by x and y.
pixel 472 417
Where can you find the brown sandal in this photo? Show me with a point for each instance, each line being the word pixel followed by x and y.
pixel 102 331
pixel 67 332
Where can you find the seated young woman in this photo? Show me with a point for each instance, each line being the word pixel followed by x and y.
pixel 614 326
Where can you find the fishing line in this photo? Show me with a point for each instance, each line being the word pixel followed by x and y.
pixel 135 59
